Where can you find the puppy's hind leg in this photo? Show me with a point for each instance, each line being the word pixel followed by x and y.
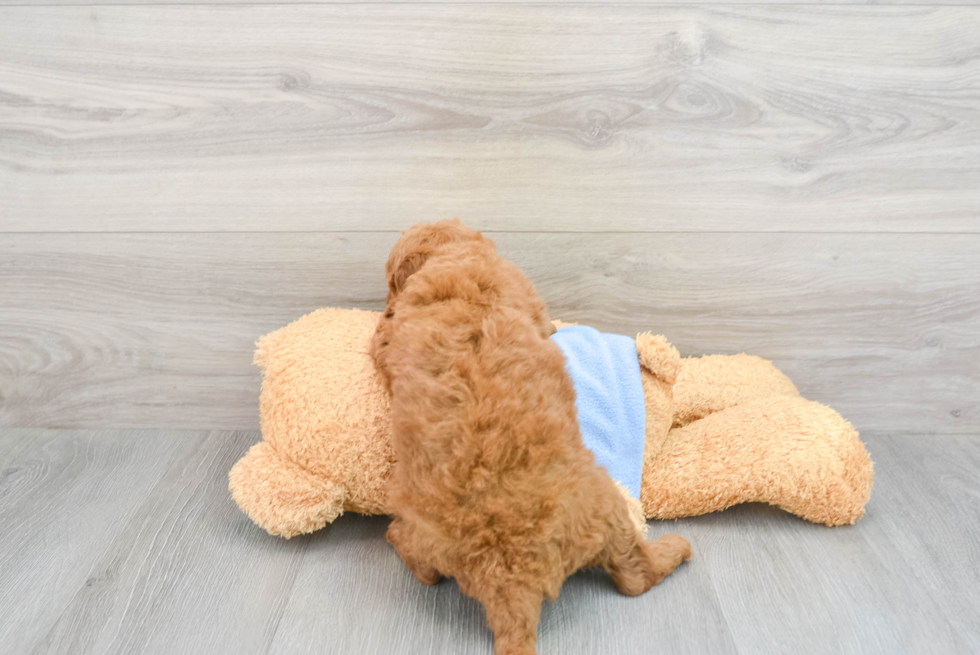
pixel 398 537
pixel 635 564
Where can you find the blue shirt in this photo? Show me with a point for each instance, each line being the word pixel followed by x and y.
pixel 605 370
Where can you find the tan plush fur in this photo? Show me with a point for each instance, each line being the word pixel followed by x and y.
pixel 325 423
pixel 327 434
pixel 709 384
pixel 787 448
pixel 740 432
pixel 491 482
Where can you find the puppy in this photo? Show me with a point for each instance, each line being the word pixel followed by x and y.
pixel 491 483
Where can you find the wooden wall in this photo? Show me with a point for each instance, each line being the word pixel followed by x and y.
pixel 800 182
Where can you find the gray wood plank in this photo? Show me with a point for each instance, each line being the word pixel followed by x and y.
pixel 616 117
pixel 355 563
pixel 61 503
pixel 841 590
pixel 943 481
pixel 351 596
pixel 14 442
pixel 180 569
pixel 762 581
pixel 44 3
pixel 158 330
pixel 187 574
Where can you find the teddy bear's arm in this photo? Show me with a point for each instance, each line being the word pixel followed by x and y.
pixel 714 382
pixel 659 364
pixel 281 497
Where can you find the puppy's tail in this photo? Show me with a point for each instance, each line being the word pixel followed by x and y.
pixel 666 554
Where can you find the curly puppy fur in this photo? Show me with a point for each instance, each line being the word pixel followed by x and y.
pixel 492 484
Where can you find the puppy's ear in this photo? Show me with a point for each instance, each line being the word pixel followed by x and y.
pixel 404 269
pixel 418 243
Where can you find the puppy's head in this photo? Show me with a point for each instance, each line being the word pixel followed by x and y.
pixel 417 244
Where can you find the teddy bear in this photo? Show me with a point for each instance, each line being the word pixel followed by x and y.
pixel 719 430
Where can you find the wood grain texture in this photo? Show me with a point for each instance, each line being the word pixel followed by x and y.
pixel 44 3
pixel 16 441
pixel 158 330
pixel 61 503
pixel 591 118
pixel 942 480
pixel 773 571
pixel 178 577
pixel 185 571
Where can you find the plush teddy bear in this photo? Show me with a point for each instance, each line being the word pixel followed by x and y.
pixel 720 430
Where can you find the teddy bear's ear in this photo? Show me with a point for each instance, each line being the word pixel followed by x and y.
pixel 280 496
pixel 658 356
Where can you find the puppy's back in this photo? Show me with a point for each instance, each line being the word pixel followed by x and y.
pixel 485 414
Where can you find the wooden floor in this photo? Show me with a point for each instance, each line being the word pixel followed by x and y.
pixel 128 542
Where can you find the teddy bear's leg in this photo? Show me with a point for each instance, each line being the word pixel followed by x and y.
pixel 398 536
pixel 280 496
pixel 785 451
pixel 712 383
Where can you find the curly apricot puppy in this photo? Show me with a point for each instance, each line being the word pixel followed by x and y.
pixel 492 484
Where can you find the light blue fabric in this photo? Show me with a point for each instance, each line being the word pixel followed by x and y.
pixel 609 397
